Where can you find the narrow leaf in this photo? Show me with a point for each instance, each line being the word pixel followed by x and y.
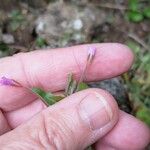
pixel 82 86
pixel 73 87
pixel 47 97
pixel 69 82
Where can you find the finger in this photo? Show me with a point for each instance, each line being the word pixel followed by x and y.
pixel 129 133
pixel 21 115
pixel 73 123
pixel 4 127
pixel 12 98
pixel 49 69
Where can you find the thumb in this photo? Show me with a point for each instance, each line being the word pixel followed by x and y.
pixel 74 123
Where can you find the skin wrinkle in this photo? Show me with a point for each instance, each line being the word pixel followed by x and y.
pixel 17 120
pixel 28 79
pixel 87 127
pixel 21 144
pixel 43 137
pixel 78 68
pixel 52 67
pixel 70 127
pixel 55 133
pixel 4 123
pixel 19 57
pixel 11 128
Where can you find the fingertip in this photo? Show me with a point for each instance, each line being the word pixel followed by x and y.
pixel 139 131
pixel 111 59
pixel 122 53
pixel 126 53
pixel 129 133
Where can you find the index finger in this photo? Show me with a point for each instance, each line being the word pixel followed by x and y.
pixel 49 69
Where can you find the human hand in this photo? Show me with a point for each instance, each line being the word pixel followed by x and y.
pixel 87 117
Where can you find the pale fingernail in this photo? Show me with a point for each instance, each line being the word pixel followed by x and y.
pixel 95 109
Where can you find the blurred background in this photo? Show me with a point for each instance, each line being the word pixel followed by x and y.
pixel 27 25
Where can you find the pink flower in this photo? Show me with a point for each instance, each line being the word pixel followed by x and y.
pixel 8 82
pixel 91 53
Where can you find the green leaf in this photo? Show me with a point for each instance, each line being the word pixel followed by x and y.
pixel 144 114
pixel 135 16
pixel 146 12
pixel 71 85
pixel 16 15
pixel 69 82
pixel 47 97
pixel 82 86
pixel 16 19
pixel 133 5
pixel 4 47
pixel 134 46
pixel 41 42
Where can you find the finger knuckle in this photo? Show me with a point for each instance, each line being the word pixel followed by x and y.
pixel 55 132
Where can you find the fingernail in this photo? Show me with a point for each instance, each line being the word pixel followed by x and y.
pixel 95 110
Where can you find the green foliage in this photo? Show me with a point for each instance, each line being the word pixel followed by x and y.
pixel 4 47
pixel 16 19
pixel 138 80
pixel 135 16
pixel 50 99
pixel 47 97
pixel 146 12
pixel 82 86
pixel 144 114
pixel 5 50
pixel 40 42
pixel 73 86
pixel 133 5
pixel 136 12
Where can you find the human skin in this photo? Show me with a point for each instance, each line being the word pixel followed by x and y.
pixel 84 118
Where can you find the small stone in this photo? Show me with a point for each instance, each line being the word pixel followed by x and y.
pixel 40 27
pixel 8 39
pixel 77 24
pixel 116 88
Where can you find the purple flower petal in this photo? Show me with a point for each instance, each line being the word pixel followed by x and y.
pixel 91 51
pixel 91 54
pixel 7 81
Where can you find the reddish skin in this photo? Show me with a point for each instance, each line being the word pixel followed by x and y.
pixel 49 69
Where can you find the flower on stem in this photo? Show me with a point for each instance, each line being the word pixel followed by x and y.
pixel 91 54
pixel 8 82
